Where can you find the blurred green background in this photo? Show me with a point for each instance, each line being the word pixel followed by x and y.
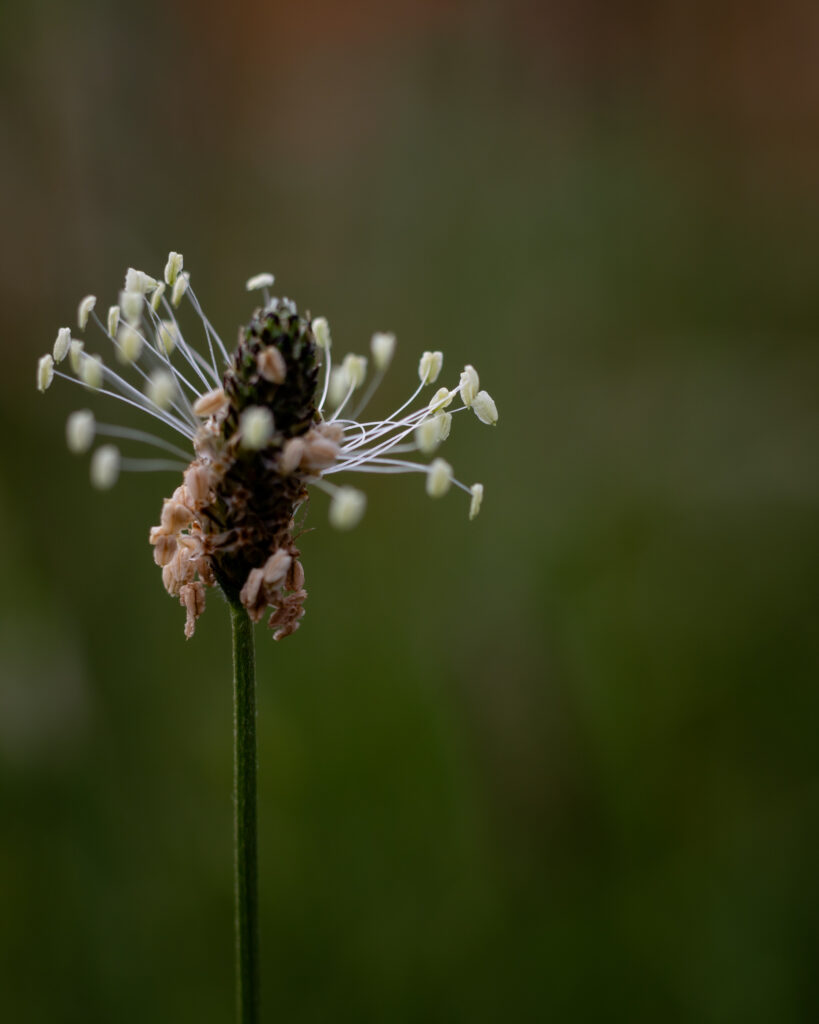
pixel 556 764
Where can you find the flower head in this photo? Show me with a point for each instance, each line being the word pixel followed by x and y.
pixel 260 426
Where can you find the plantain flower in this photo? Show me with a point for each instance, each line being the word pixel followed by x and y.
pixel 257 429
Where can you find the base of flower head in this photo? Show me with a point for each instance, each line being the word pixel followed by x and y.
pixel 194 556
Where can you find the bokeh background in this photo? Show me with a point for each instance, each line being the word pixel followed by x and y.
pixel 556 764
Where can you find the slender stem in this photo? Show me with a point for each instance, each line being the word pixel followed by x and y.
pixel 244 798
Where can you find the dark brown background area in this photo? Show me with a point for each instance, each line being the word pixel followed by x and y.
pixel 559 763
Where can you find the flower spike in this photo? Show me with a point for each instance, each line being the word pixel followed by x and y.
pixel 262 427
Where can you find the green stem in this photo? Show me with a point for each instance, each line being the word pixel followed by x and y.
pixel 244 799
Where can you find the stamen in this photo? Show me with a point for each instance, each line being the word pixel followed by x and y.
pixel 152 465
pixel 126 433
pixel 256 427
pixel 166 337
pixel 62 344
pixel 162 389
pixel 476 490
pixel 429 367
pixel 105 466
pixel 210 403
pixel 485 409
pixel 113 320
pixel 441 399
pixel 469 385
pixel 166 418
pixel 259 281
pixel 382 347
pixel 84 310
pixel 339 386
pixel 439 478
pixel 321 332
pixel 427 435
pixel 45 373
pixel 346 508
pixel 355 368
pixel 139 281
pixel 193 358
pixel 75 354
pixel 79 431
pixel 209 328
pixel 130 302
pixel 179 288
pixel 173 267
pixel 91 371
pixel 128 344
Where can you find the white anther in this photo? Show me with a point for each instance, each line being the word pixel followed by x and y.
pixel 130 302
pixel 441 399
pixel 321 332
pixel 161 388
pixel 339 385
pixel 259 281
pixel 80 428
pixel 427 435
pixel 355 368
pixel 139 281
pixel 45 372
pixel 485 409
pixel 476 490
pixel 130 344
pixel 172 267
pixel 432 431
pixel 256 427
pixel 179 288
pixel 91 371
pixel 113 320
pixel 156 298
pixel 62 344
pixel 382 347
pixel 469 385
pixel 210 403
pixel 271 365
pixel 346 508
pixel 105 467
pixel 84 310
pixel 75 354
pixel 167 335
pixel 439 477
pixel 430 367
